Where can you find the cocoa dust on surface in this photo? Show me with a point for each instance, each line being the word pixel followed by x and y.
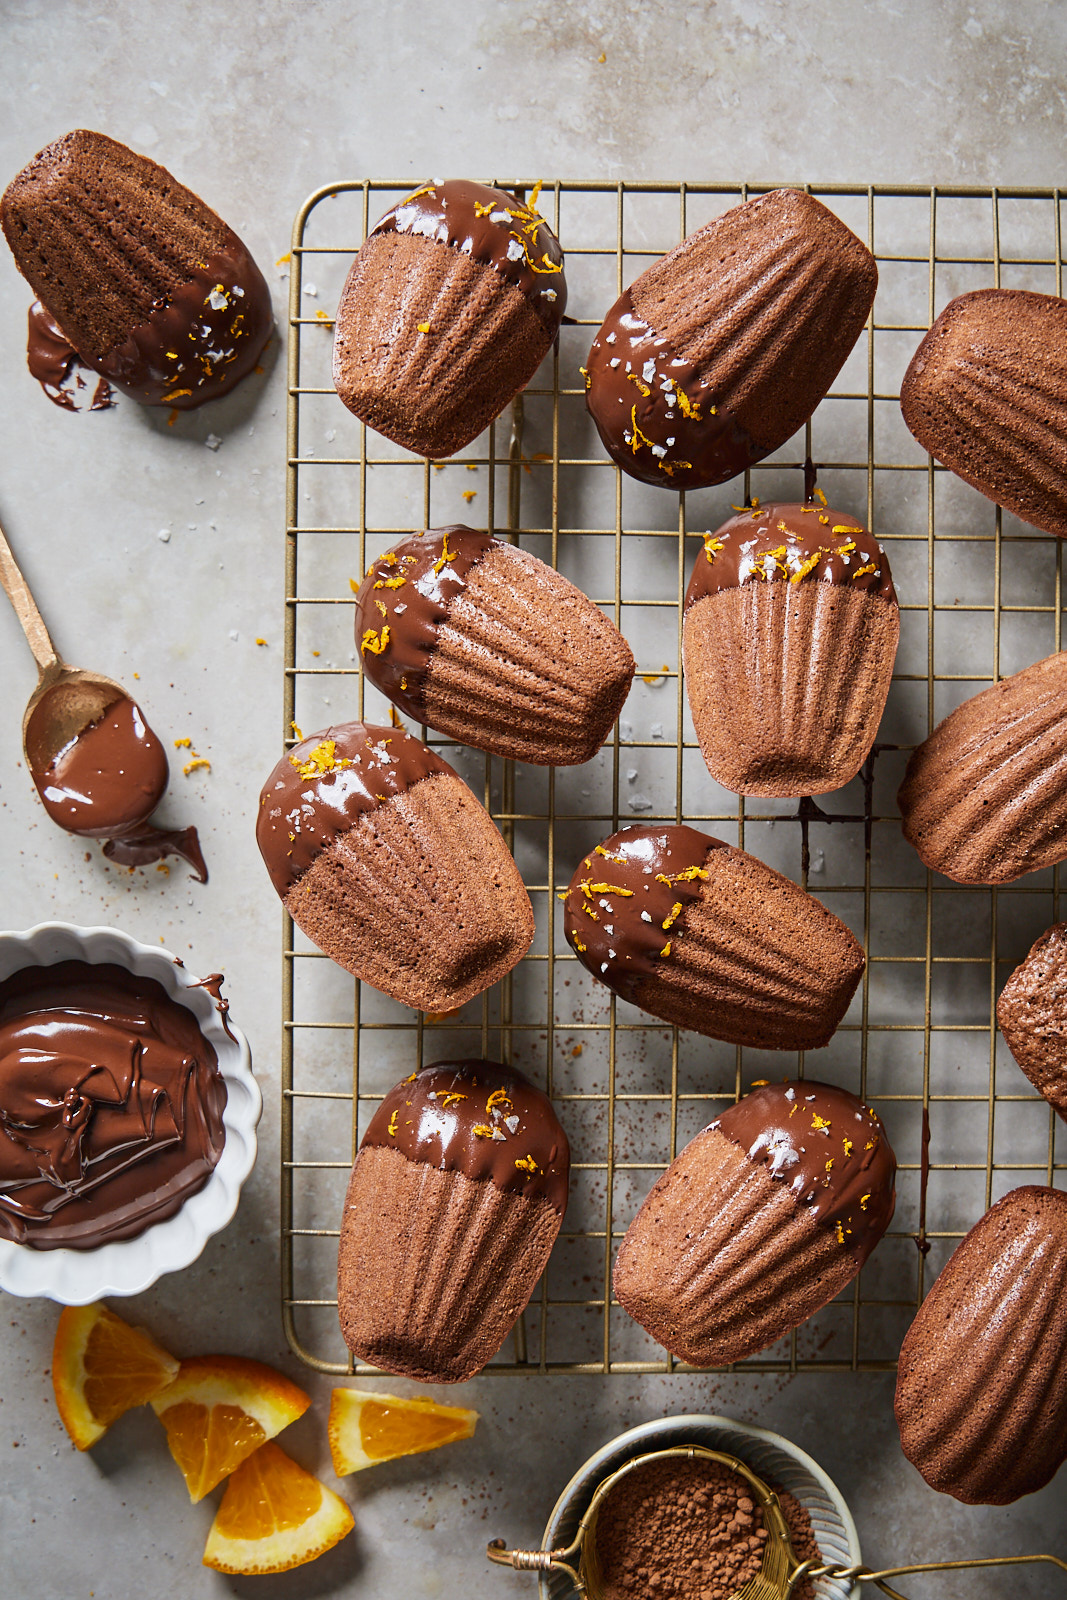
pixel 681 1529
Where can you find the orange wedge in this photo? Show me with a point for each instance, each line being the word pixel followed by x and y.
pixel 274 1516
pixel 365 1428
pixel 102 1367
pixel 218 1410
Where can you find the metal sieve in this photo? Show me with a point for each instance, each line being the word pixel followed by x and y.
pixel 780 1571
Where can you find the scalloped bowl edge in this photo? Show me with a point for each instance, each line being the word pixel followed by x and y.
pixel 128 1266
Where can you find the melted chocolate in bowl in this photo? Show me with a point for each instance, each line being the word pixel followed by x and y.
pixel 108 778
pixel 111 1105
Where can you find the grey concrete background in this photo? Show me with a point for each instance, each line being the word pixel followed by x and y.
pixel 253 105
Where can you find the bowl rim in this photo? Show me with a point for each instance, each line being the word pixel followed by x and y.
pixel 129 1266
pixel 660 1433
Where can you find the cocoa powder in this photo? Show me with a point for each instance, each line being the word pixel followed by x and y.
pixel 681 1529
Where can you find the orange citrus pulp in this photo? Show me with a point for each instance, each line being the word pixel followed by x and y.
pixel 365 1428
pixel 274 1516
pixel 101 1367
pixel 218 1410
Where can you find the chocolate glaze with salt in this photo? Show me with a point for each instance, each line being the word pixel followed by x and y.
pixel 402 603
pixel 494 228
pixel 794 544
pixel 196 345
pixel 655 416
pixel 626 896
pixel 111 1105
pixel 828 1147
pixel 479 1118
pixel 318 791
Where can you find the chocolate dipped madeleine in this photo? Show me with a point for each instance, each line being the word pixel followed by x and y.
pixel 386 861
pixel 722 349
pixel 981 1399
pixel 455 1200
pixel 790 634
pixel 986 394
pixel 486 643
pixel 762 1219
pixel 984 798
pixel 450 307
pixel 135 276
pixel 708 938
pixel 1032 1015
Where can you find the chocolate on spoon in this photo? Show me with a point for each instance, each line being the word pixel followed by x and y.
pixel 98 767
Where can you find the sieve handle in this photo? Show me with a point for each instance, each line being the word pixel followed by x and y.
pixel 536 1561
pixel 866 1575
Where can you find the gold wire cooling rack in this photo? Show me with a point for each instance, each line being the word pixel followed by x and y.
pixel 981 596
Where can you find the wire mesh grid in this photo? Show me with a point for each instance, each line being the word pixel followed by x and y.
pixel 981 596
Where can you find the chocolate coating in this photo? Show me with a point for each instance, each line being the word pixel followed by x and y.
pixel 655 416
pixel 403 601
pixel 318 791
pixel 627 894
pixel 201 341
pixel 790 543
pixel 494 228
pixel 111 1105
pixel 479 1118
pixel 828 1148
pixel 108 779
pixel 195 346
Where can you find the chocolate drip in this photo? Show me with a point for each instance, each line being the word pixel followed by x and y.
pixel 828 1147
pixel 402 602
pixel 111 1105
pixel 479 1118
pixel 200 341
pixel 655 415
pixel 791 544
pixel 492 227
pixel 319 790
pixel 108 778
pixel 146 845
pixel 622 908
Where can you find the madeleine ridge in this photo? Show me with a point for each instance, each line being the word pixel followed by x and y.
pixel 981 1398
pixel 709 938
pixel 491 646
pixel 790 634
pixel 986 394
pixel 387 862
pixel 762 1219
pixel 984 798
pixel 451 305
pixel 1032 1016
pixel 455 1200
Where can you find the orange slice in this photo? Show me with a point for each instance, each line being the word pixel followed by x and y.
pixel 274 1516
pixel 102 1367
pixel 218 1410
pixel 365 1428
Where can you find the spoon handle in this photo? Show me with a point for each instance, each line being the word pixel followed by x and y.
pixel 18 592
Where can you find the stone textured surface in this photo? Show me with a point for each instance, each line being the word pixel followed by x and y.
pixel 755 89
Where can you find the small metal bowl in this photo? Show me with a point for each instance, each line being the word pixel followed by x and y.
pixel 770 1456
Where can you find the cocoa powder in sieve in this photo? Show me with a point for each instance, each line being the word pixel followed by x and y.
pixel 683 1529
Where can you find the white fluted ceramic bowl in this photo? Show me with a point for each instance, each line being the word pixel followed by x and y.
pixel 127 1266
pixel 772 1458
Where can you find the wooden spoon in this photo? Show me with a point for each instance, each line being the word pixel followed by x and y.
pixel 67 699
